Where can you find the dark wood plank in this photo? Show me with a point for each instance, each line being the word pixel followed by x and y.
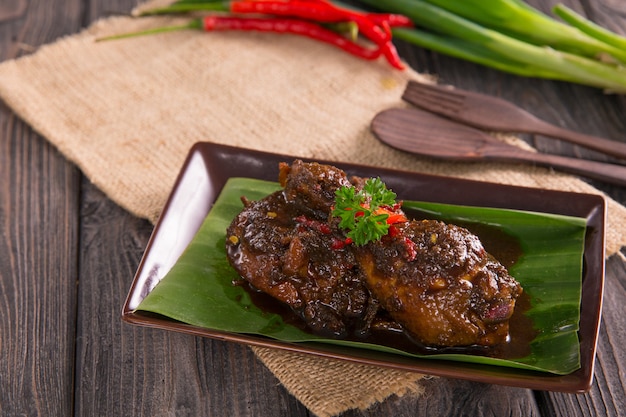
pixel 38 271
pixel 449 397
pixel 39 200
pixel 12 11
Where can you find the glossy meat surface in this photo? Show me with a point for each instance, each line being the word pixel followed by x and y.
pixel 442 286
pixel 434 279
pixel 283 246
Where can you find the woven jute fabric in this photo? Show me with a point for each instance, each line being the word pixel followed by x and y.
pixel 127 112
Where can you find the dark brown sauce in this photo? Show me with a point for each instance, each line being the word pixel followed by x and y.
pixel 505 248
pixel 521 330
pixel 270 305
pixel 521 333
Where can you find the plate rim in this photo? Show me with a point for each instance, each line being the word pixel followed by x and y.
pixel 210 157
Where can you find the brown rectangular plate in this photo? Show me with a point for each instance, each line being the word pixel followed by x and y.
pixel 209 166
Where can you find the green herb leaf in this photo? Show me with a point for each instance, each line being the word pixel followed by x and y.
pixel 379 194
pixel 357 210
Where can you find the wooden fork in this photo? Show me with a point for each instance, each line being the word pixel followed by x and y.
pixel 495 114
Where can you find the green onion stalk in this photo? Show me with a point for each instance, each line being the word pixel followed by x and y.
pixel 519 20
pixel 189 6
pixel 590 28
pixel 446 32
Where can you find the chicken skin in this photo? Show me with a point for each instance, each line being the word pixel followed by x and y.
pixel 434 280
pixel 283 246
pixel 440 284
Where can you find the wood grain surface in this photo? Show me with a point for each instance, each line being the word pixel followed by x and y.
pixel 68 255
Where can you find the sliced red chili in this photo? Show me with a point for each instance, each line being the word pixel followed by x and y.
pixel 396 218
pixel 314 224
pixel 411 251
pixel 392 217
pixel 393 231
pixel 338 244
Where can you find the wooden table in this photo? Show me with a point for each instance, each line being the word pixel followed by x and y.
pixel 68 255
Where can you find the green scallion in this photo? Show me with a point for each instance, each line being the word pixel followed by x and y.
pixel 447 32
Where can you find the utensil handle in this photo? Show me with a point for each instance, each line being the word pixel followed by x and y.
pixel 609 147
pixel 614 174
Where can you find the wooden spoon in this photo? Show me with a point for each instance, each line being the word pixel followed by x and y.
pixel 426 134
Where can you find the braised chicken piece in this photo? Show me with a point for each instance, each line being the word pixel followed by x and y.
pixel 435 280
pixel 311 187
pixel 283 246
pixel 438 281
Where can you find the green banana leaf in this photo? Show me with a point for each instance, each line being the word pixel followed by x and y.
pixel 198 290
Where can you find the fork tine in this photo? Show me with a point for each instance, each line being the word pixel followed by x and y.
pixel 449 97
pixel 430 97
pixel 444 91
pixel 431 102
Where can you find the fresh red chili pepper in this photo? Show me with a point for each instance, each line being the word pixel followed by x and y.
pixel 293 26
pixel 311 10
pixel 377 34
pixel 319 11
pixel 302 17
pixel 390 52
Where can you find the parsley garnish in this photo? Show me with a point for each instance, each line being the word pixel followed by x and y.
pixel 360 212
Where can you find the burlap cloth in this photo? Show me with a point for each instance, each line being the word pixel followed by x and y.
pixel 127 112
